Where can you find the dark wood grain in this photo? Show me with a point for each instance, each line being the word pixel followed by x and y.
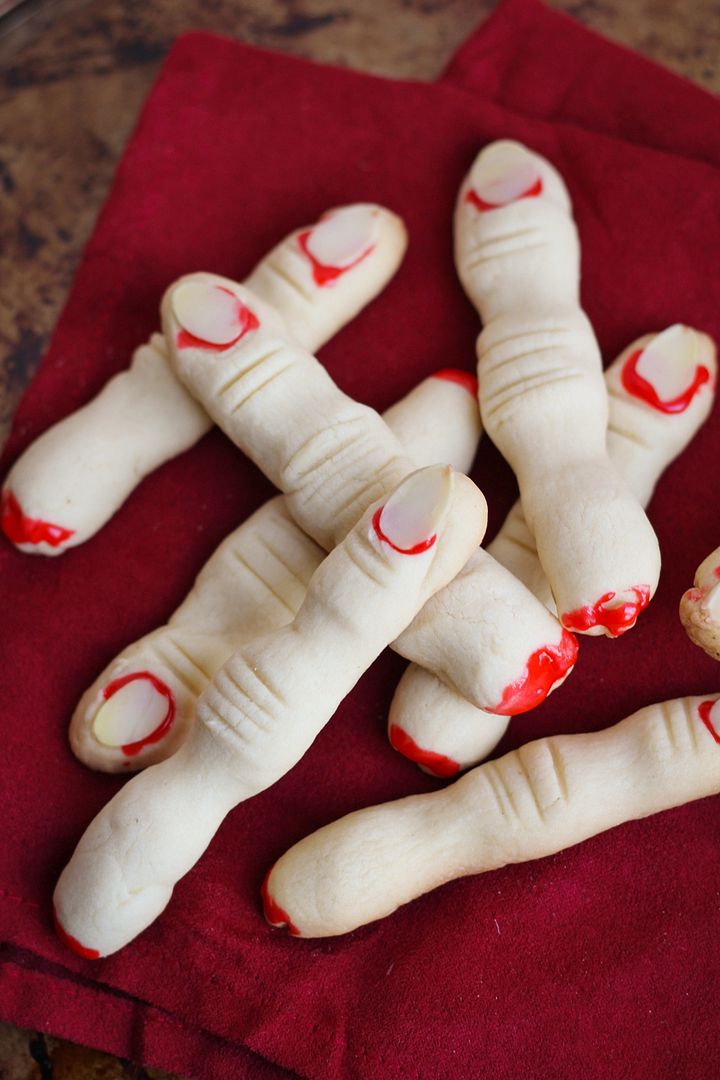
pixel 73 74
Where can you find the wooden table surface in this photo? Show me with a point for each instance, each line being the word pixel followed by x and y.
pixel 73 74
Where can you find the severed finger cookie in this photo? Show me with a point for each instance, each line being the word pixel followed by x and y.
pixel 71 480
pixel 265 706
pixel 542 395
pixel 540 799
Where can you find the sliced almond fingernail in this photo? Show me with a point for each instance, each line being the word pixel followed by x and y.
pixel 138 709
pixel 503 174
pixel 666 374
pixel 344 236
pixel 410 519
pixel 339 242
pixel 211 314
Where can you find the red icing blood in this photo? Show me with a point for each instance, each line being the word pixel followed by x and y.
pixel 417 550
pixel 437 764
pixel 25 530
pixel 327 275
pixel 474 199
pixel 704 711
pixel 641 388
pixel 544 668
pixel 616 620
pixel 247 320
pixel 273 912
pixel 131 749
pixel 464 378
pixel 716 571
pixel 72 943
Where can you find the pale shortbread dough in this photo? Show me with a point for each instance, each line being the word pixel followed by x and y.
pixel 436 727
pixel 71 480
pixel 265 706
pixel 140 708
pixel 537 800
pixel 542 395
pixel 332 457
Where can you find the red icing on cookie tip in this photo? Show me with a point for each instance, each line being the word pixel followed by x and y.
pixel 616 620
pixel 247 320
pixel 716 571
pixel 704 711
pixel 26 530
pixel 475 200
pixel 545 667
pixel 322 274
pixel 437 764
pixel 272 910
pixel 463 378
pixel 639 387
pixel 131 749
pixel 72 943
pixel 416 550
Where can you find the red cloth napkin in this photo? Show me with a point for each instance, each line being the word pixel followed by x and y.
pixel 602 960
pixel 542 63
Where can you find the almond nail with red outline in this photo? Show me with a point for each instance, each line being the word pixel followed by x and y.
pixel 138 710
pixel 409 520
pixel 211 316
pixel 341 239
pixel 504 177
pixel 668 373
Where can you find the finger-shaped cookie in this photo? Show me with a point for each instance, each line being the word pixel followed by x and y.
pixel 661 390
pixel 542 395
pixel 700 606
pixel 674 397
pixel 487 637
pixel 72 479
pixel 546 796
pixel 323 275
pixel 140 708
pixel 266 705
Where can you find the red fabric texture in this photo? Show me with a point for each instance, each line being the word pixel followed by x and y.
pixel 594 83
pixel 600 961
